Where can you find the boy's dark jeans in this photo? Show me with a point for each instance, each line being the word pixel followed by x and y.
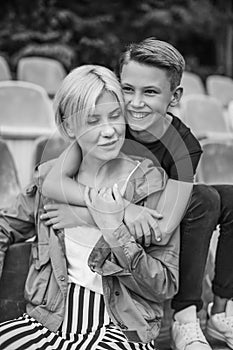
pixel 209 206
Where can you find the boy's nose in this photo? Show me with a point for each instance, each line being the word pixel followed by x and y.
pixel 137 101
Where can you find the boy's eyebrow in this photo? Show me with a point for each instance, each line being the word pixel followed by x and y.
pixel 144 87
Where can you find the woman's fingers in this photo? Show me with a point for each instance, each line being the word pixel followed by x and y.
pixel 146 233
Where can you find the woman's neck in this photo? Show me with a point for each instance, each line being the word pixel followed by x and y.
pixel 105 174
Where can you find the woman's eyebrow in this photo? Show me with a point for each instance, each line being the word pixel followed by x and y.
pixel 116 109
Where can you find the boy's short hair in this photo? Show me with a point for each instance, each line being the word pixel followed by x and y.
pixel 156 53
pixel 77 96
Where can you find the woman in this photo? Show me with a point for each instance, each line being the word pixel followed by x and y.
pixel 93 286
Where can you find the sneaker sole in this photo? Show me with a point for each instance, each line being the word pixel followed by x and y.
pixel 216 335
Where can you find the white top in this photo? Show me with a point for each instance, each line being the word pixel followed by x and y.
pixel 79 242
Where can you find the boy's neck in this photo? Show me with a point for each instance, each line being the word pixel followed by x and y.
pixel 155 133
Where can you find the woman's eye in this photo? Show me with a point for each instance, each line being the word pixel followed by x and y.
pixel 92 121
pixel 116 115
pixel 127 89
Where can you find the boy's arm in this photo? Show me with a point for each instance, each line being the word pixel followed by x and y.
pixel 172 204
pixel 58 184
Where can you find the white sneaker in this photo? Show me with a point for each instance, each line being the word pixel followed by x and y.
pixel 186 332
pixel 220 326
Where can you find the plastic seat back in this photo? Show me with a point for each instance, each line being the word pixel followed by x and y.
pixel 220 87
pixel 14 274
pixel 216 164
pixel 5 73
pixel 48 148
pixel 204 115
pixel 43 71
pixel 9 184
pixel 192 84
pixel 24 105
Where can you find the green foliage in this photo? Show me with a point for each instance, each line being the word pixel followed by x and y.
pixel 86 31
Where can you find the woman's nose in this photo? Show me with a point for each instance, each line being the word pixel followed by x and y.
pixel 108 130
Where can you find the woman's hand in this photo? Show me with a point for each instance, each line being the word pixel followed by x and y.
pixel 106 207
pixel 142 224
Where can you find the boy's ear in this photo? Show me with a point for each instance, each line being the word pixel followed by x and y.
pixel 177 94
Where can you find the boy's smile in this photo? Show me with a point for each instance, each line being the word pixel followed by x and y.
pixel 148 94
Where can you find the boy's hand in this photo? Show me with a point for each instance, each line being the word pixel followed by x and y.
pixel 61 216
pixel 142 223
pixel 106 207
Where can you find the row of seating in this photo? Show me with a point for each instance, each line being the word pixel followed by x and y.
pixel 216 164
pixel 217 86
pixel 42 149
pixel 49 73
pixel 43 71
pixel 206 116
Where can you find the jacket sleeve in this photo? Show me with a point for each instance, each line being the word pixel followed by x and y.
pixel 150 272
pixel 17 224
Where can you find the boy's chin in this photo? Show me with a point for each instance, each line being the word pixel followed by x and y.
pixel 136 127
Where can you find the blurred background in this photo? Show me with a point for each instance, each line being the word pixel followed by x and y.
pixel 85 31
pixel 41 41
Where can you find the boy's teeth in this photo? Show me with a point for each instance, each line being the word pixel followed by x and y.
pixel 138 115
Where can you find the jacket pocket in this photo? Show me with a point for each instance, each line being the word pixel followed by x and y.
pixel 40 254
pixel 145 309
pixel 39 275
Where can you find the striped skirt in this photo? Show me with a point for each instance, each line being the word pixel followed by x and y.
pixel 86 326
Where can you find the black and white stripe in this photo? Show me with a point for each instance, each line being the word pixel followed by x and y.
pixel 86 326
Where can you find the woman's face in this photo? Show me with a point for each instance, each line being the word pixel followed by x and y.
pixel 102 135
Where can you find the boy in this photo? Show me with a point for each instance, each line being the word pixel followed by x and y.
pixel 150 74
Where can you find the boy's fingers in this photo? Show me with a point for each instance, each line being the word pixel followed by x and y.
pixel 155 213
pixel 51 214
pixel 86 196
pixel 51 207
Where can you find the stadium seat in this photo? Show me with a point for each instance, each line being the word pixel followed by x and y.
pixel 25 114
pixel 220 87
pixel 9 184
pixel 216 164
pixel 204 115
pixel 192 84
pixel 15 270
pixel 48 148
pixel 5 73
pixel 43 71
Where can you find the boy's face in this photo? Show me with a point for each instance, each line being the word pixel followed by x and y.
pixel 147 93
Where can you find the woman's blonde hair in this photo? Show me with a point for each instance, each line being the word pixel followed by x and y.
pixel 78 94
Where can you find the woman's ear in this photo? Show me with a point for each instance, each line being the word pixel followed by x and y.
pixel 69 127
pixel 177 94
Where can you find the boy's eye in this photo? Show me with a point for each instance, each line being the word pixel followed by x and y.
pixel 151 92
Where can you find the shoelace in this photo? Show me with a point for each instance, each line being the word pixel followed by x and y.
pixel 192 332
pixel 227 320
